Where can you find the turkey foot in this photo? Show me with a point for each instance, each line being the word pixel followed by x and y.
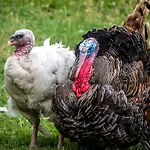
pixel 34 146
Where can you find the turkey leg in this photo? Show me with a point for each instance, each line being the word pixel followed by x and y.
pixel 60 142
pixel 34 134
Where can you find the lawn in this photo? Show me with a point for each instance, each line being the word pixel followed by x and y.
pixel 64 21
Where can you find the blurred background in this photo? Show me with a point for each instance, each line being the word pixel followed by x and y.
pixel 62 20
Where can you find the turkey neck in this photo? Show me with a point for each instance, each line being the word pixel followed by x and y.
pixel 23 50
pixel 81 83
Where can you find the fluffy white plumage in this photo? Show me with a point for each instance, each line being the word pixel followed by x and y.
pixel 30 79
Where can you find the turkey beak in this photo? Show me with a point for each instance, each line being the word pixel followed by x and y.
pixel 12 41
pixel 82 57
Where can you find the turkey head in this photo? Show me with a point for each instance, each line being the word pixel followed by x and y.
pixel 23 40
pixel 88 50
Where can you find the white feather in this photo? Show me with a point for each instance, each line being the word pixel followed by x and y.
pixel 30 80
pixel 47 42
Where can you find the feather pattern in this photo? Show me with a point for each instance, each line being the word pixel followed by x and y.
pixel 98 118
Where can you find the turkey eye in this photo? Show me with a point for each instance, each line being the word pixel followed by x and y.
pixel 19 36
pixel 90 50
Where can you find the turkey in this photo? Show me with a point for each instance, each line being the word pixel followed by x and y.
pixel 104 101
pixel 32 73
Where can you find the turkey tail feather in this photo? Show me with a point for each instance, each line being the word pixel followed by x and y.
pixel 135 21
pixel 146 33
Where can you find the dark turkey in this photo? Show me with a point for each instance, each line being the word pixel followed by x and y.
pixel 104 102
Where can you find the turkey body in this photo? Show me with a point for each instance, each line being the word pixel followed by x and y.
pixel 102 116
pixel 111 111
pixel 30 80
pixel 31 74
pixel 98 123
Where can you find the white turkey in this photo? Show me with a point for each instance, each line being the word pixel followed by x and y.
pixel 104 102
pixel 32 73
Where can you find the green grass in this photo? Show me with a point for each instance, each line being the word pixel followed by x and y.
pixel 64 21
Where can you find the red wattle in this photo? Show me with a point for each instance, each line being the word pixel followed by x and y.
pixel 81 83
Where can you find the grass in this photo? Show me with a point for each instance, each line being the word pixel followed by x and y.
pixel 64 21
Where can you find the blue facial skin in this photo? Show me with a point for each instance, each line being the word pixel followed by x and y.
pixel 88 46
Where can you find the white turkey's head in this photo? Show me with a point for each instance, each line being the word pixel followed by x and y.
pixel 23 40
